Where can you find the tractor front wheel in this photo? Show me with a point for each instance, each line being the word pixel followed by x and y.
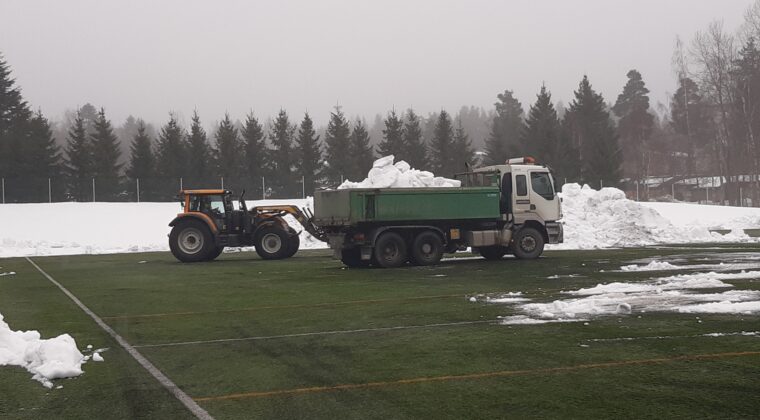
pixel 272 243
pixel 294 242
pixel 191 241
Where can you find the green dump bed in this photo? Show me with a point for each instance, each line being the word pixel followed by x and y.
pixel 350 207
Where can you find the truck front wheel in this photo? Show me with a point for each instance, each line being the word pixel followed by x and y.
pixel 390 250
pixel 528 243
pixel 427 248
pixel 272 243
pixel 191 241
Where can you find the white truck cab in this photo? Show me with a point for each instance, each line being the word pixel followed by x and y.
pixel 528 196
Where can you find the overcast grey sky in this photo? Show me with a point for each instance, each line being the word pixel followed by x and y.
pixel 149 57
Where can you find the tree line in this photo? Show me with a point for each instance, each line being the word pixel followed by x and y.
pixel 710 126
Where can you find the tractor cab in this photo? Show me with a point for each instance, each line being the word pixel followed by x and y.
pixel 219 207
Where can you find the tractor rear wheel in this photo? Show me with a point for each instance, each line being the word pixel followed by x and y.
pixel 272 243
pixel 191 241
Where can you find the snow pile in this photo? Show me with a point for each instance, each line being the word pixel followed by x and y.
pixel 386 174
pixel 605 218
pixel 652 266
pixel 666 266
pixel 47 359
pixel 102 228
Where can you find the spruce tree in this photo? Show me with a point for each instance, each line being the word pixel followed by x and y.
pixel 463 152
pixel 41 161
pixel 199 163
pixel 337 140
pixel 105 159
pixel 79 163
pixel 541 136
pixel 171 160
pixel 14 121
pixel 361 152
pixel 503 140
pixel 282 157
pixel 254 157
pixel 142 164
pixel 228 153
pixel 416 152
pixel 308 154
pixel 592 133
pixel 393 137
pixel 635 125
pixel 442 149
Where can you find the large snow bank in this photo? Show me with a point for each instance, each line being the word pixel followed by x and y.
pixel 46 359
pixel 605 218
pixel 386 174
pixel 709 216
pixel 593 219
pixel 100 228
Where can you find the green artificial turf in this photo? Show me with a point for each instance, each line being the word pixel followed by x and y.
pixel 547 370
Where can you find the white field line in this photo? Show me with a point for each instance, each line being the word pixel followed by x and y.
pixel 316 333
pixel 668 337
pixel 145 363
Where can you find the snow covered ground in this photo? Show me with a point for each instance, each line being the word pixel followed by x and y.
pixel 692 292
pixel 593 219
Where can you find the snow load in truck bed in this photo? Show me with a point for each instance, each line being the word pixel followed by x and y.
pixel 386 174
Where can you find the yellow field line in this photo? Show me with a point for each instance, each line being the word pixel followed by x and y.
pixel 503 373
pixel 259 308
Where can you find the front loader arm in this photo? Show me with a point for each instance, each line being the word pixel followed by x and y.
pixel 304 217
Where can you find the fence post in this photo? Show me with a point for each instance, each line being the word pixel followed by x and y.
pixel 673 190
pixel 50 191
pixel 222 179
pixel 180 184
pixel 93 190
pixel 637 190
pixel 263 189
pixel 3 190
pixel 138 190
pixel 741 197
pixel 707 194
pixel 303 186
pixel 601 184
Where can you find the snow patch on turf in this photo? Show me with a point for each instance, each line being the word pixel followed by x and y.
pixel 678 293
pixel 45 359
pixel 666 266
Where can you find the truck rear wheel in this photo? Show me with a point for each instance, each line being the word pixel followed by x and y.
pixel 528 243
pixel 191 241
pixel 353 258
pixel 492 252
pixel 427 248
pixel 390 250
pixel 272 243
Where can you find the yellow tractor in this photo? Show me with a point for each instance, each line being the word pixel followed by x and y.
pixel 210 221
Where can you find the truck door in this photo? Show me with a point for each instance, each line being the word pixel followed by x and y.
pixel 522 204
pixel 543 197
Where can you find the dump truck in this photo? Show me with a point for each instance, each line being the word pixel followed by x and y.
pixel 210 221
pixel 500 209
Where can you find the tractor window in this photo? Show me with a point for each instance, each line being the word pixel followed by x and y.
pixel 521 184
pixel 542 185
pixel 217 205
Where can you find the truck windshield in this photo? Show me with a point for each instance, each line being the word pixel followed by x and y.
pixel 479 179
pixel 542 184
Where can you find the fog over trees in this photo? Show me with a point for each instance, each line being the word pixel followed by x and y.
pixel 709 128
